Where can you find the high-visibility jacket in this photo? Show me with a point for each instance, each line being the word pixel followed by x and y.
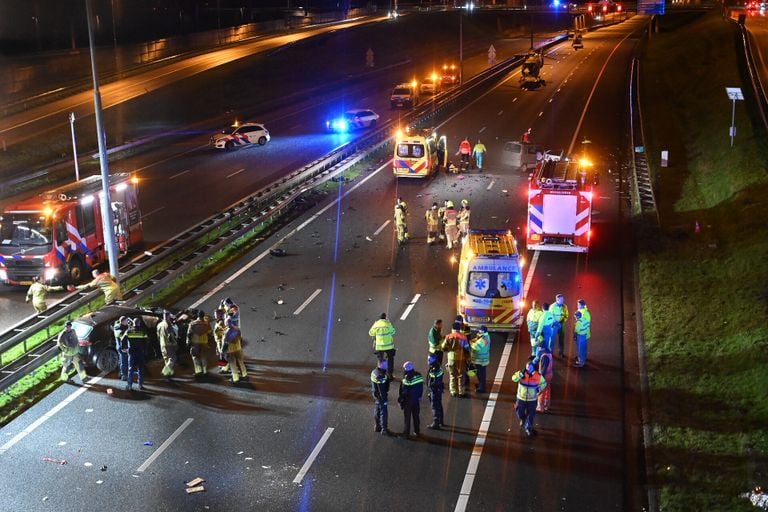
pixel 399 217
pixel 233 340
pixel 545 324
pixel 379 384
pixel 529 385
pixel 435 340
pixel 584 324
pixel 479 148
pixel 107 284
pixel 383 331
pixel 559 312
pixel 68 343
pixel 463 218
pixel 432 219
pixel 534 315
pixel 451 217
pixel 453 345
pixel 38 292
pixel 545 365
pixel 481 349
pixel 411 388
pixel 198 332
pixel 166 335
pixel 465 148
pixel 219 330
pixel 435 381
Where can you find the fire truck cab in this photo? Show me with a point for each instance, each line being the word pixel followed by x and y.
pixel 559 206
pixel 419 155
pixel 490 280
pixel 59 234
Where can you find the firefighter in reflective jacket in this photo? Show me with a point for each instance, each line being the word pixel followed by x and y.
pixel 409 398
pixel 529 384
pixel 382 331
pixel 436 386
pixel 433 224
pixel 441 218
pixel 451 225
pixel 169 344
pixel 197 340
pixel 453 346
pixel 481 356
pixel 233 345
pixel 38 292
pixel 219 329
pixel 106 283
pixel 69 346
pixel 380 391
pixel 463 218
pixel 582 331
pixel 559 312
pixel 400 224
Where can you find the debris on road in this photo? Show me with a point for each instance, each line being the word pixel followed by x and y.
pixel 278 252
pixel 148 443
pixel 103 468
pixel 88 464
pixel 109 391
pixel 199 488
pixel 57 461
pixel 99 482
pixel 369 239
pixel 195 482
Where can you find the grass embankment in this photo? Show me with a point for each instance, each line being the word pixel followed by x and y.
pixel 705 295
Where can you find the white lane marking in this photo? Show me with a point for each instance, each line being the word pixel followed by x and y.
pixel 306 302
pixel 410 306
pixel 381 228
pixel 514 100
pixel 178 174
pixel 45 417
pixel 490 185
pixel 313 456
pixel 500 112
pixel 481 130
pixel 541 113
pixel 153 211
pixel 236 173
pixel 531 270
pixel 165 445
pixel 301 226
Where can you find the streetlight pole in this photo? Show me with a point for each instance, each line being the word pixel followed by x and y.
pixel 74 145
pixel 461 47
pixel 106 200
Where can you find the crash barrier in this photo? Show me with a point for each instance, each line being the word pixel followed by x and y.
pixel 754 76
pixel 33 339
pixel 643 198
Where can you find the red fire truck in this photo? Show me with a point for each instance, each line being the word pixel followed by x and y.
pixel 560 206
pixel 58 235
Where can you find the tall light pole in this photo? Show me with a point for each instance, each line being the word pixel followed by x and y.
pixel 461 46
pixel 74 145
pixel 106 200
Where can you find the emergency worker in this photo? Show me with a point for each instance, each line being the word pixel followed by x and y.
pixel 582 331
pixel 559 312
pixel 231 310
pixel 135 345
pixel 433 224
pixel 532 320
pixel 463 218
pixel 120 330
pixel 382 331
pixel 453 346
pixel 69 347
pixel 546 371
pixel 435 340
pixel 38 292
pixel 465 150
pixel 400 224
pixel 451 225
pixel 219 328
pixel 168 337
pixel 106 283
pixel 526 137
pixel 403 206
pixel 233 345
pixel 529 384
pixel 545 330
pixel 441 218
pixel 481 356
pixel 380 391
pixel 436 386
pixel 197 340
pixel 479 153
pixel 409 398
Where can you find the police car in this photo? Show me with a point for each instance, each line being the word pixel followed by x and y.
pixel 353 120
pixel 243 134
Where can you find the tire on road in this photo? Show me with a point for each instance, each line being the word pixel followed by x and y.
pixel 262 140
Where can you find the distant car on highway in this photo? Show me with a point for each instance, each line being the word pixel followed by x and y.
pixel 97 343
pixel 430 85
pixel 450 75
pixel 354 119
pixel 244 134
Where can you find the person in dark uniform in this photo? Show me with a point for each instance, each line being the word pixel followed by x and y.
pixel 380 391
pixel 135 344
pixel 436 387
pixel 409 396
pixel 120 330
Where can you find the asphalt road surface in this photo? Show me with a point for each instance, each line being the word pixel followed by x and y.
pixel 299 435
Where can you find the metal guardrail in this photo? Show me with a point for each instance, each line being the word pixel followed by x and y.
pixel 166 262
pixel 642 187
pixel 757 84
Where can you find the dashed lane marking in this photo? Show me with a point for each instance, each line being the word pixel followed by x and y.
pixel 490 185
pixel 165 445
pixel 410 306
pixel 235 173
pixel 481 130
pixel 178 174
pixel 313 456
pixel 306 302
pixel 381 228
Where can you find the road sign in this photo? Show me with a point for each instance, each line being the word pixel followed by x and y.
pixel 491 56
pixel 650 7
pixel 734 94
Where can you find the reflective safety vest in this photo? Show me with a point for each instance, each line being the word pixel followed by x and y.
pixel 481 349
pixel 435 340
pixel 465 148
pixel 584 324
pixel 198 332
pixel 68 343
pixel 453 345
pixel 529 385
pixel 479 148
pixel 546 361
pixel 399 217
pixel 166 335
pixel 383 330
pixel 545 324
pixel 107 284
pixel 559 313
pixel 432 219
pixel 534 315
pixel 233 340
pixel 379 384
pixel 411 388
pixel 451 217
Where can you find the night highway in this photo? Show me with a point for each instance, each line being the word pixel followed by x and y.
pixel 299 435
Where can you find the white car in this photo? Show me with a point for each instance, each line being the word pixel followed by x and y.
pixel 429 86
pixel 353 120
pixel 243 134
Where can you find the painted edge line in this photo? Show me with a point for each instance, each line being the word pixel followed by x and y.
pixel 165 445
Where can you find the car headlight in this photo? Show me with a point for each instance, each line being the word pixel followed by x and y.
pixel 340 125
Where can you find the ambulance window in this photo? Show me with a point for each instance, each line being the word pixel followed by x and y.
pixel 508 284
pixel 417 150
pixel 478 283
pixel 402 150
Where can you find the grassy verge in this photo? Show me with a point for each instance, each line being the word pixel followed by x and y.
pixel 705 295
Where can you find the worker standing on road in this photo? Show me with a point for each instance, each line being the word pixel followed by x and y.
pixel 451 225
pixel 526 137
pixel 481 356
pixel 441 218
pixel 582 331
pixel 120 330
pixel 436 386
pixel 560 315
pixel 465 151
pixel 545 330
pixel 197 339
pixel 38 292
pixel 453 345
pixel 382 331
pixel 409 398
pixel 403 206
pixel 106 283
pixel 400 224
pixel 233 346
pixel 380 391
pixel 532 320
pixel 219 329
pixel 134 343
pixel 479 153
pixel 435 340
pixel 463 219
pixel 433 224
pixel 69 347
pixel 169 344
pixel 529 384
pixel 546 370
pixel 231 311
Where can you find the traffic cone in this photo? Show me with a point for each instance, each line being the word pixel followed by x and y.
pixel 697 227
